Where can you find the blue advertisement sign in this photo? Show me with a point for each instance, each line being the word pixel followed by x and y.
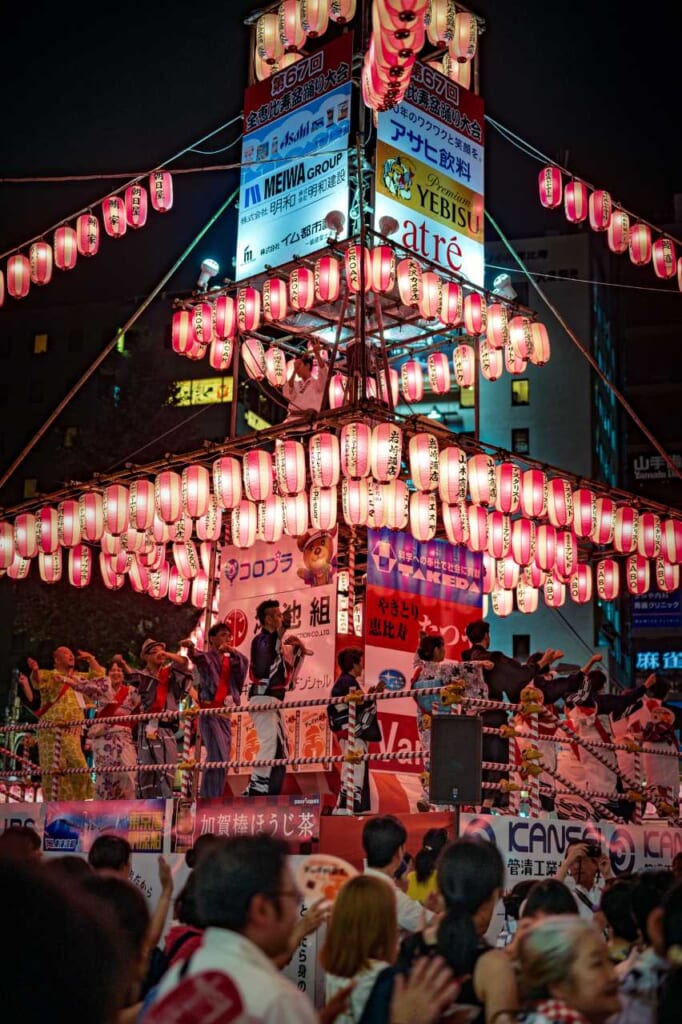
pixel 657 610
pixel 434 568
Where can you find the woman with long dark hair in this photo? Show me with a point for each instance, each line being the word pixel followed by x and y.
pixel 422 882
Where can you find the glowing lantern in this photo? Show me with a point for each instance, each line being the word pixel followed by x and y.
pixel 639 244
pixel 296 514
pixel 671 540
pixel 663 255
pixel 275 366
pixel 291 31
pixel 489 573
pixel 205 553
pixel 47 531
pixel 508 487
pixel 91 510
pixel 679 273
pixel 526 598
pixel 315 17
pixel 182 332
pixel 375 505
pixel 135 200
pixel 227 481
pixel 382 268
pixel 50 566
pixel 550 187
pixel 451 310
pixel 202 323
pixel 248 309
pixel 534 494
pixel 423 515
pixel 358 268
pixel 456 522
pixel 141 504
pixel 566 554
pixel 87 234
pixel 409 275
pixel 431 296
pixel 154 558
pixel 399 14
pixel 545 547
pixel 80 566
pixel 168 496
pixel 499 534
pixel 268 43
pixel 559 502
pixel 209 526
pixel 523 541
pixel 253 358
pixel 138 576
pixel 533 576
pixel 186 558
pixel 114 568
pixel 18 276
pixel 637 574
pixel 244 520
pixel 337 390
pixel 475 314
pixel 440 21
pixel 355 501
pixel 158 582
pixel 584 512
pixel 323 506
pixel 110 543
pixel 667 576
pixel 161 532
pixel 575 201
pixel 513 362
pixel 301 288
pixel 457 71
pixel 40 260
pixel 65 248
pixel 520 336
pixel 290 466
pixel 625 529
pixel 68 523
pixel 497 329
pixel 133 541
pixel 396 498
pixel 464 365
pixel 115 508
pixel 502 602
pixel 324 459
pixel 482 480
pixel 554 592
pixel 274 299
pixel 224 317
pixel 478 528
pixel 161 191
pixel 196 490
pixel 412 381
pixel 600 207
pixel 258 470
pixel 342 11
pixel 178 586
pixel 6 545
pixel 386 448
pixel 355 449
pixel 452 474
pixel 181 529
pixel 114 217
pixel 438 369
pixel 328 279
pixel 540 348
pixel 649 535
pixel 491 361
pixel 220 354
pixel 199 592
pixel 464 41
pixel 424 462
pixel 19 569
pixel 394 385
pixel 618 232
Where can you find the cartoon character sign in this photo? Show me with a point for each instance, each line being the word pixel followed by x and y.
pixel 398 176
pixel 319 562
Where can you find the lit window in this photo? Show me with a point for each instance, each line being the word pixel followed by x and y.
pixel 467 397
pixel 520 392
pixel 520 440
pixel 39 344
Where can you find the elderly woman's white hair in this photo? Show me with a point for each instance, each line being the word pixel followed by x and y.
pixel 548 951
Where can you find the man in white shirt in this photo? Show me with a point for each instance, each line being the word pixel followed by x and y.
pixel 584 871
pixel 304 392
pixel 383 840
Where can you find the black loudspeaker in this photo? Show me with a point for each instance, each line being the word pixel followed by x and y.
pixel 456 754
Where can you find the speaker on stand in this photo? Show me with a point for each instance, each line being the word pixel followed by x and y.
pixel 456 756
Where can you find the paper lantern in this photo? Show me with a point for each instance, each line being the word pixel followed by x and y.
pixel 566 554
pixel 545 547
pixel 68 523
pixel 550 187
pixel 625 529
pixel 464 365
pixel 649 535
pixel 206 551
pixel 526 598
pixel 181 529
pixel 26 535
pixel 47 532
pixel 87 234
pixel 80 566
pixel 475 314
pixel 575 201
pixel 491 361
pixel 158 582
pixel 301 288
pixel 533 576
pixel 534 494
pixel 141 503
pixel 584 512
pixel 258 474
pixel 18 276
pixel 409 277
pixel 91 509
pixel 521 336
pixel 291 31
pixel 290 466
pixel 342 11
pixel 618 233
pixel 161 531
pixel 114 568
pixel 540 348
pixel 324 459
pixel 358 268
pixel 375 505
pixel 65 248
pixel 452 474
pixel 323 507
pixel 209 526
pixel 50 566
pixel 382 268
pixel 138 576
pixel 508 487
pixel 135 201
pixel 114 217
pixel 168 496
pixel 396 502
pixel 507 573
pixel 394 386
pixel 199 590
pixel 412 381
pixel 220 354
pixel 224 317
pixel 182 332
pixel 253 358
pixel 499 534
pixel 354 501
pixel 664 259
pixel 315 17
pixel 133 541
pixel 227 481
pixel 386 448
pixel 161 191
pixel 637 574
pixel 248 309
pixel 456 71
pixel 296 517
pixel 110 543
pixel 40 261
pixel 7 549
pixel 502 602
pixel 438 369
pixel 554 592
pixel 400 14
pixel 423 515
pixel 497 328
pixel 244 520
pixel 513 362
pixel 431 295
pixel 196 490
pixel 327 279
pixel 355 448
pixel 275 367
pixel 337 390
pixel 667 576
pixel 440 21
pixel 639 244
pixel 464 41
pixel 424 462
pixel 478 528
pixel 274 299
pixel 671 540
pixel 178 586
pixel 456 522
pixel 115 507
pixel 523 541
pixel 268 42
pixel 600 208
pixel 154 557
pixel 482 480
pixel 202 323
pixel 559 502
pixel 19 569
pixel 186 558
pixel 679 273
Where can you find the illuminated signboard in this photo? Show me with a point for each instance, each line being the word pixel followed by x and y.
pixel 204 391
pixel 255 422
pixel 295 159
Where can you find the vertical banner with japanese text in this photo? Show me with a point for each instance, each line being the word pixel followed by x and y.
pixel 295 159
pixel 429 180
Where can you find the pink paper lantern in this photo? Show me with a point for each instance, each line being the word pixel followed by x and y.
pixel 354 501
pixel 154 557
pixel 453 477
pixel 540 347
pixel 301 288
pixel 315 17
pixel 50 566
pixel 438 370
pixel 580 585
pixel 545 547
pixel 412 381
pixel 161 191
pixel 115 507
pixel 386 449
pixel 47 531
pixel 358 267
pixel 68 523
pixel 355 449
pixel 550 187
pixel 270 524
pixel 196 490
pixel 274 298
pixel 168 496
pixel 575 201
pixel 135 200
pixel 40 260
pixel 618 232
pixel 431 296
pixel 394 386
pixel 424 462
pixel 664 258
pixel 508 487
pixel 502 602
pixel 19 569
pixel 202 323
pixel 554 592
pixel 440 21
pixel 600 209
pixel 337 390
pixel 209 526
pixel 114 217
pixel 513 362
pixel 141 504
pixel 456 522
pixel 639 244
pixel 258 474
pixel 342 11
pixel 110 543
pixel 667 576
pixel 243 521
pixel 507 573
pixel 182 332
pixel 452 304
pixel 161 531
pixel 478 528
pixel 178 587
pixel 671 540
pixel 275 367
pixel 521 336
pixel 499 534
pixel 566 554
pixel 138 576
pixel 134 541
pixel 396 501
pixel 323 508
pixel 253 358
pixel 375 505
pixel 324 459
pixel 159 580
pixel 18 276
pixel 328 279
pixel 268 42
pixel 291 30
pixel 87 234
pixel 482 480
pixel 637 574
pixel 296 514
pixel 491 361
pixel 186 558
pixel 423 516
pixel 382 268
pixel 248 308
pixel 7 549
pixel 80 566
pixel 526 598
pixel 220 354
pixel 534 494
pixel 584 512
pixel 227 481
pixel 625 529
pixel 65 248
pixel 464 365
pixel 475 312
pixel 464 41
pixel 559 502
pixel 523 541
pixel 290 466
pixel 91 510
pixel 649 535
pixel 456 71
pixel 497 328
pixel 409 277
pixel 224 317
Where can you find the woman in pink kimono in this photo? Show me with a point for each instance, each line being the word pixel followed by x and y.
pixel 113 744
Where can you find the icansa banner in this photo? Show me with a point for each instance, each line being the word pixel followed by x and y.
pixel 295 159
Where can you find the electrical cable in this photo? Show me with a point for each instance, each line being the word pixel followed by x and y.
pixel 188 419
pixel 587 280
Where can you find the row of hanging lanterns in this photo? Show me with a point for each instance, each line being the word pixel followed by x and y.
pixel 118 213
pixel 282 34
pixel 602 214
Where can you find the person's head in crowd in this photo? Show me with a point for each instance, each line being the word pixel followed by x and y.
pixel 269 614
pixel 303 366
pixel 69 867
pixel 659 689
pixel 433 843
pixel 478 633
pixel 64 659
pixel 245 885
pixel 565 958
pixel 585 868
pixel 153 654
pixel 111 854
pixel 200 848
pixel 676 866
pixel 597 680
pixel 185 905
pixel 129 907
pixel 383 840
pixel 219 636
pixel 548 898
pixel 431 648
pixel 350 661
pixel 21 842
pixel 670 996
pixel 68 958
pixel 514 900
pixel 648 896
pixel 470 876
pixel 616 909
pixel 363 927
